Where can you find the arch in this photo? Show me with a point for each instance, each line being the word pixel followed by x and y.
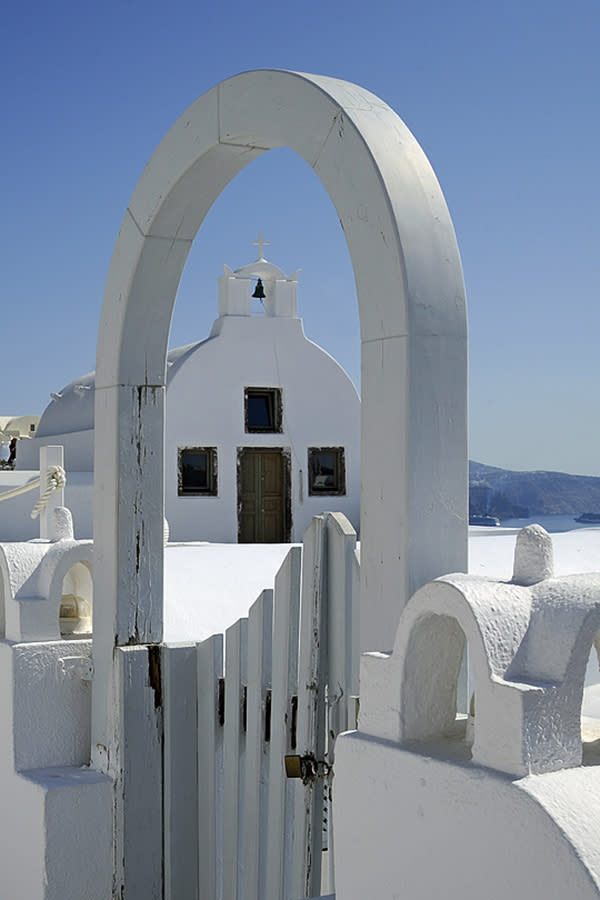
pixel 77 600
pixel 437 625
pixel 65 579
pixel 413 331
pixel 432 663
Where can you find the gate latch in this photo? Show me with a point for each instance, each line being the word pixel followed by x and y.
pixel 306 767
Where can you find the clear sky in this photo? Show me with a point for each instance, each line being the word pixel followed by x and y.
pixel 502 96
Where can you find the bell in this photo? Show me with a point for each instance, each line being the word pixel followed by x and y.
pixel 259 291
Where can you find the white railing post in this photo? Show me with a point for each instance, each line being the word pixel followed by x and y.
pixel 50 456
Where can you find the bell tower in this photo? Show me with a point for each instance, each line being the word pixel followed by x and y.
pixel 260 279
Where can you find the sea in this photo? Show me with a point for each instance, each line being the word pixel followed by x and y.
pixel 552 524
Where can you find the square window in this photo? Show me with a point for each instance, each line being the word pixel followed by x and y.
pixel 262 409
pixel 197 471
pixel 326 471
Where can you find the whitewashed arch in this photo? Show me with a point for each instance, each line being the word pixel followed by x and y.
pixel 413 330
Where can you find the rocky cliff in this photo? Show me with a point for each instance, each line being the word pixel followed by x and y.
pixel 502 493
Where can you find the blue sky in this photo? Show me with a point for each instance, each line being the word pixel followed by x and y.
pixel 503 98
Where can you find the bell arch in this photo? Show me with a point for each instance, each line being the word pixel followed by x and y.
pixel 413 331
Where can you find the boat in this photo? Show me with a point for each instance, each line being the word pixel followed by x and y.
pixel 484 520
pixel 589 518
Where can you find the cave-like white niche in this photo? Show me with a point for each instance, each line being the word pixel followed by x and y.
pixel 75 616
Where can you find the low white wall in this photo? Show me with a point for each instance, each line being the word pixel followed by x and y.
pixel 413 826
pixel 52 704
pixel 56 840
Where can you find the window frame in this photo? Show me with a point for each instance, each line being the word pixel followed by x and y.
pixel 276 408
pixel 339 489
pixel 211 490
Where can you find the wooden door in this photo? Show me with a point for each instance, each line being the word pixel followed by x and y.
pixel 263 492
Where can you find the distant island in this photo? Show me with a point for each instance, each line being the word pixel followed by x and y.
pixel 507 495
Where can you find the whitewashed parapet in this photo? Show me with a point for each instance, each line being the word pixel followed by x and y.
pixel 60 809
pixel 33 587
pixel 529 641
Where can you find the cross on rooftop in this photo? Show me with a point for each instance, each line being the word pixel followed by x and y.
pixel 261 244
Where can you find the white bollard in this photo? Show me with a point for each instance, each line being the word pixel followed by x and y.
pixel 50 456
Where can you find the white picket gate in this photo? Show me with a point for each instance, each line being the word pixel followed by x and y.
pixel 240 708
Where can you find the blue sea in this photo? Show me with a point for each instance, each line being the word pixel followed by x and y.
pixel 552 524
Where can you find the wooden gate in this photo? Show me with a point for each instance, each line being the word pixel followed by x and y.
pixel 272 694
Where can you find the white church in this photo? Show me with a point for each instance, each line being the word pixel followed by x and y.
pixel 262 425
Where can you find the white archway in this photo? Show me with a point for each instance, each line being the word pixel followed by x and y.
pixel 413 330
pixel 412 313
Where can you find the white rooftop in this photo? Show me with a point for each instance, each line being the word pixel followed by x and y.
pixel 209 586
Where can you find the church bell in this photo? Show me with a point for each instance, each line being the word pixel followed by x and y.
pixel 259 291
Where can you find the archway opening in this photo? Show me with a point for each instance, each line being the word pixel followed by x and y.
pixel 438 693
pixel 311 239
pixel 76 603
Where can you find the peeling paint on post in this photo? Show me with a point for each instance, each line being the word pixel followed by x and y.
pixel 127 690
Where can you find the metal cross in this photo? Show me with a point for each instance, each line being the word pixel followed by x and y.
pixel 261 244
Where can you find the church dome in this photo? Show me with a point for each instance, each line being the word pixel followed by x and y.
pixel 71 409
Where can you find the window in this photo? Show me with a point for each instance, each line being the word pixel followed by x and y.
pixel 197 471
pixel 263 409
pixel 326 471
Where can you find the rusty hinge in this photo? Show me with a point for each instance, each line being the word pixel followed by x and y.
pixel 306 767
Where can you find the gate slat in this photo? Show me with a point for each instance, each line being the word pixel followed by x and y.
pixel 308 803
pixel 210 768
pixel 180 766
pixel 234 748
pixel 260 636
pixel 343 657
pixel 286 615
pixel 343 631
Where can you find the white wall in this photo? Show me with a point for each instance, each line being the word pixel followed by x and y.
pixel 410 825
pixel 205 408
